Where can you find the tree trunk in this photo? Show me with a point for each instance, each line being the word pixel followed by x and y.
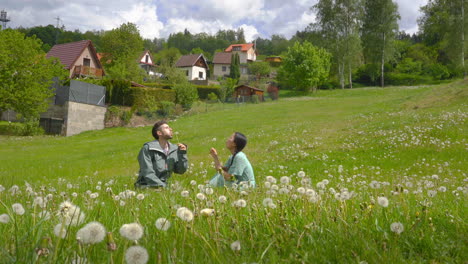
pixel 350 76
pixel 341 73
pixel 463 39
pixel 383 63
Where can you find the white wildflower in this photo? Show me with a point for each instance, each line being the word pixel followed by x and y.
pixel 162 224
pixel 397 227
pixel 136 255
pixel 207 212
pixel 382 201
pixel 285 180
pixel 133 231
pixel 185 194
pixel 91 233
pixel 209 191
pixel 185 214
pixel 301 174
pixel 201 196
pixel 236 246
pixel 18 208
pixel 140 196
pixel 222 199
pixel 4 218
pixel 60 231
pixel 240 203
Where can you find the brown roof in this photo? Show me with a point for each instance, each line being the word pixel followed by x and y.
pixel 189 60
pixel 244 47
pixel 222 58
pixel 250 87
pixel 68 53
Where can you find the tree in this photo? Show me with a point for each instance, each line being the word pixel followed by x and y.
pixel 186 94
pixel 235 66
pixel 25 75
pixel 379 31
pixel 121 47
pixel 444 26
pixel 305 66
pixel 338 21
pixel 259 68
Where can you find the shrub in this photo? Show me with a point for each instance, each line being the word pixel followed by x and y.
pixel 141 96
pixel 204 91
pixel 186 94
pixel 406 79
pixel 254 99
pixel 166 108
pixel 212 97
pixel 30 128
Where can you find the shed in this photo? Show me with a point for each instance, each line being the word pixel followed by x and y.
pixel 245 92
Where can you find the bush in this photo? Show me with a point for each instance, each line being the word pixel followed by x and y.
pixel 254 99
pixel 186 94
pixel 212 97
pixel 166 108
pixel 30 128
pixel 392 78
pixel 141 96
pixel 204 91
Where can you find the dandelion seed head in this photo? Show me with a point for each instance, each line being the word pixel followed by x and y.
pixel 185 194
pixel 60 231
pixel 136 255
pixel 301 174
pixel 207 212
pixel 92 233
pixel 133 231
pixel 222 199
pixel 382 201
pixel 285 180
pixel 201 196
pixel 241 203
pixel 4 218
pixel 209 191
pixel 236 246
pixel 140 196
pixel 162 224
pixel 397 227
pixel 185 214
pixel 18 208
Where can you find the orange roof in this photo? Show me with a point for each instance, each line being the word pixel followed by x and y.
pixel 244 47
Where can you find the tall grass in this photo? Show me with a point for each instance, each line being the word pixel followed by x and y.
pixel 325 166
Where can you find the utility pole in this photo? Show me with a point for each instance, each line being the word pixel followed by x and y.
pixel 4 19
pixel 57 32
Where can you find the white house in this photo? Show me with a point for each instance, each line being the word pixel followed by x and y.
pixel 194 65
pixel 146 63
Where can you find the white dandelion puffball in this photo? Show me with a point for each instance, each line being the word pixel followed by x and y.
pixel 236 246
pixel 285 180
pixel 91 233
pixel 301 174
pixel 382 201
pixel 140 196
pixel 209 191
pixel 267 184
pixel 240 203
pixel 185 194
pixel 136 255
pixel 271 179
pixel 397 227
pixel 133 231
pixel 201 196
pixel 222 199
pixel 60 231
pixel 267 201
pixel 18 208
pixel 162 224
pixel 185 214
pixel 4 218
pixel 207 212
pixel 39 201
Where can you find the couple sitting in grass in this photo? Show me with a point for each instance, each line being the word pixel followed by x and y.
pixel 159 158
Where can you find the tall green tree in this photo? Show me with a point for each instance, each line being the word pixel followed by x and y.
pixel 25 74
pixel 339 22
pixel 305 66
pixel 379 30
pixel 443 25
pixel 235 66
pixel 121 47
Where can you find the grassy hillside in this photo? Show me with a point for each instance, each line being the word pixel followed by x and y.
pixel 406 144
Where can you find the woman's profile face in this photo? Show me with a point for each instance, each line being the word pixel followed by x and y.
pixel 230 142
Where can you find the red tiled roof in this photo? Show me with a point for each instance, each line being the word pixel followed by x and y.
pixel 68 53
pixel 244 47
pixel 222 58
pixel 189 60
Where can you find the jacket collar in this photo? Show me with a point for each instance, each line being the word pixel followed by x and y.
pixel 154 145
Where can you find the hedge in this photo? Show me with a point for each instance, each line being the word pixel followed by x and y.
pixel 205 90
pixel 139 95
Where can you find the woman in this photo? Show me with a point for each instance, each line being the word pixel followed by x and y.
pixel 237 168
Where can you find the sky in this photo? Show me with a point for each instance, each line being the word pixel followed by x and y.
pixel 160 18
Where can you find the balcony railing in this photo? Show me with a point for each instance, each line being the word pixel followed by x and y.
pixel 87 71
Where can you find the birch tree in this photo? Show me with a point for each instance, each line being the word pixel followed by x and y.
pixel 379 30
pixel 339 21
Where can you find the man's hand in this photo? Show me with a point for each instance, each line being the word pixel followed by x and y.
pixel 182 146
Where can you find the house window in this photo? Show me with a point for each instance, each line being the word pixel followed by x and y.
pixel 236 48
pixel 86 62
pixel 146 58
pixel 186 73
pixel 200 75
pixel 224 68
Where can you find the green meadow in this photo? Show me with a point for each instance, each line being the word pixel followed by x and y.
pixel 364 175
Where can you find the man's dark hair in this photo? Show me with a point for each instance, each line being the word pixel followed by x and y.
pixel 156 128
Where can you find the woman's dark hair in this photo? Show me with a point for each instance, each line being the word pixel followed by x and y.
pixel 156 128
pixel 240 140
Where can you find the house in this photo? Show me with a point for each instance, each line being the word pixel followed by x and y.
pixel 79 57
pixel 194 65
pixel 222 64
pixel 147 63
pixel 244 93
pixel 222 60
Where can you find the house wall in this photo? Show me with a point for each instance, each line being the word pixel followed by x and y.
pixel 193 72
pixel 143 59
pixel 218 69
pixel 86 54
pixel 83 117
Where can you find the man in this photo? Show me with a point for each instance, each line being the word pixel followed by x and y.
pixel 159 158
